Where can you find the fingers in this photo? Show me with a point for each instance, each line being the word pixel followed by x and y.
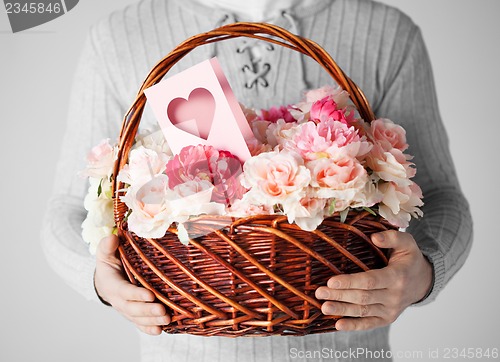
pixel 130 292
pixel 142 314
pixel 376 298
pixel 107 247
pixel 352 310
pixel 135 303
pixel 151 330
pixel 392 239
pixel 369 280
pixel 357 296
pixel 144 310
pixel 359 324
pixel 147 316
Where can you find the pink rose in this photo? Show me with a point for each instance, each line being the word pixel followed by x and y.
pixel 221 168
pixel 388 134
pixel 339 179
pixel 274 177
pixel 274 114
pixel 399 204
pixel 100 160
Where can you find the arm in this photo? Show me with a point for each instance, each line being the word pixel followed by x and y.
pixel 443 236
pixel 95 113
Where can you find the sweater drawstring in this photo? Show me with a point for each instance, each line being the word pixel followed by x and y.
pixel 226 18
pixel 294 28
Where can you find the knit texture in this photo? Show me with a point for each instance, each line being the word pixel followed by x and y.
pixel 380 48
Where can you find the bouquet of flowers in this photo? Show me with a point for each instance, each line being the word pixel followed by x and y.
pixel 309 161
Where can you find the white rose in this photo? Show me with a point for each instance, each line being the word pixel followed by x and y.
pixel 92 234
pixel 392 166
pixel 154 141
pixel 100 160
pixel 143 165
pixel 399 204
pixel 308 213
pixel 155 207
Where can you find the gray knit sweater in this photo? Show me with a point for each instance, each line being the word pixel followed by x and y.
pixel 379 47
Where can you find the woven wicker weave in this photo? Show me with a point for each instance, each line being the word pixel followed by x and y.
pixel 252 276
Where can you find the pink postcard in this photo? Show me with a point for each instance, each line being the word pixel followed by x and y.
pixel 197 106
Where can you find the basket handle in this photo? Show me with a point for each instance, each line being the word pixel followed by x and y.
pixel 279 35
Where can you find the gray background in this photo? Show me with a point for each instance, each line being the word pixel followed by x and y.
pixel 41 319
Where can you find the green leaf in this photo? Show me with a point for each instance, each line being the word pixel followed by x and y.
pixel 369 210
pixel 99 189
pixel 332 207
pixel 127 215
pixel 343 215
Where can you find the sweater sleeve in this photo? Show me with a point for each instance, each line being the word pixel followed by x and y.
pixel 94 114
pixel 444 234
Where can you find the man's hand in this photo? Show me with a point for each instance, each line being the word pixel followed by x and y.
pixel 379 296
pixel 135 303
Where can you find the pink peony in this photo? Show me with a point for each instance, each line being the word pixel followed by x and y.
pixel 327 139
pixel 326 109
pixel 274 177
pixel 274 114
pixel 221 168
pixel 388 134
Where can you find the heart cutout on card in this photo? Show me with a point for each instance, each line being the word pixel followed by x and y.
pixel 194 115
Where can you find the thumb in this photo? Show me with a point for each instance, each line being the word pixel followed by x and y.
pixel 392 239
pixel 107 247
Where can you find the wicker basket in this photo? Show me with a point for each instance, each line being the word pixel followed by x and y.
pixel 253 276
